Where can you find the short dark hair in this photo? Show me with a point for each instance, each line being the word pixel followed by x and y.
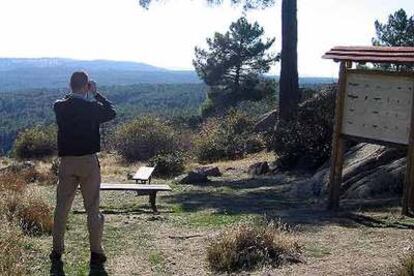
pixel 78 80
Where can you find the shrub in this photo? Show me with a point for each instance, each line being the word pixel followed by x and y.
pixel 50 176
pixel 221 99
pixel 143 138
pixel 11 250
pixel 305 143
pixel 223 138
pixel 35 142
pixel 167 165
pixel 210 144
pixel 12 182
pixel 207 108
pixel 35 216
pixel 247 246
pixel 19 204
pixel 254 144
pixel 54 168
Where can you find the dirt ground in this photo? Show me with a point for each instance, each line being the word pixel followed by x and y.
pixel 365 238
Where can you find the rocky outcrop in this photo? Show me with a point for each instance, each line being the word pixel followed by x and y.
pixel 192 178
pixel 267 122
pixel 259 168
pixel 208 171
pixel 369 171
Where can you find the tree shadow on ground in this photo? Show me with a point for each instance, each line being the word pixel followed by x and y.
pixel 248 183
pixel 271 198
pixel 249 201
pixel 134 209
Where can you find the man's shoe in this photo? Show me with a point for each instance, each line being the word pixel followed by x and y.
pixel 97 258
pixel 56 268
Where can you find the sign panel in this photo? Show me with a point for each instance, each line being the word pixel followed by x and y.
pixel 378 106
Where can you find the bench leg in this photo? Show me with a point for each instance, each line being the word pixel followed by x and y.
pixel 152 199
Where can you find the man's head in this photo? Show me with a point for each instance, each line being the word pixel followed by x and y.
pixel 79 82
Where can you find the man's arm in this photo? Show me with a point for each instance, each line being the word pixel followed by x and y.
pixel 105 110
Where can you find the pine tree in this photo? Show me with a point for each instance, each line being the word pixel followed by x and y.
pixel 235 56
pixel 398 31
pixel 289 93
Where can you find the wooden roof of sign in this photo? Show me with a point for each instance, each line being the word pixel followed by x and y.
pixel 375 54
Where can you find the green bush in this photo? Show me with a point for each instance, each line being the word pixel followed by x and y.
pixel 305 143
pixel 168 165
pixel 35 142
pixel 224 138
pixel 143 138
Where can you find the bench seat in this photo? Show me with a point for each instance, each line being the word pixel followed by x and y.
pixel 150 190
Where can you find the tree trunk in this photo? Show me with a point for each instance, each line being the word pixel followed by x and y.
pixel 289 94
pixel 237 82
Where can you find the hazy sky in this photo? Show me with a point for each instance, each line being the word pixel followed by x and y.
pixel 166 34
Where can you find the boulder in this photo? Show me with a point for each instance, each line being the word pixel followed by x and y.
pixel 267 122
pixel 259 168
pixel 192 178
pixel 369 170
pixel 208 171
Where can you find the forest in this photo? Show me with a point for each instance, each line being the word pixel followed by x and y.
pixel 22 109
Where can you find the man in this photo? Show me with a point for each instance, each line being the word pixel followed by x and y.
pixel 78 117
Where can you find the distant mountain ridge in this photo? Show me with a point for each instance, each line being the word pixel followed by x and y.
pixel 28 73
pixel 7 64
pixel 18 74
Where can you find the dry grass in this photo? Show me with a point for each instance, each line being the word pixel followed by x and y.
pixel 21 204
pixel 34 215
pixel 247 246
pixel 406 265
pixel 12 260
pixel 113 167
pixel 46 172
pixel 12 182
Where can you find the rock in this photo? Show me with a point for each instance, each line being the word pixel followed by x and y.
pixel 259 168
pixel 208 171
pixel 386 179
pixel 369 170
pixel 273 167
pixel 192 178
pixel 266 122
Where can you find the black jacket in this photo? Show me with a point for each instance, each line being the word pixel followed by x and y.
pixel 78 123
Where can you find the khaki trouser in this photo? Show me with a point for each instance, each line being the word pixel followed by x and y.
pixel 75 170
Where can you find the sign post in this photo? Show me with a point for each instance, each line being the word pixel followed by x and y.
pixel 373 106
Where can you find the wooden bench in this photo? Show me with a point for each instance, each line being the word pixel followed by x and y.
pixel 143 175
pixel 150 190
